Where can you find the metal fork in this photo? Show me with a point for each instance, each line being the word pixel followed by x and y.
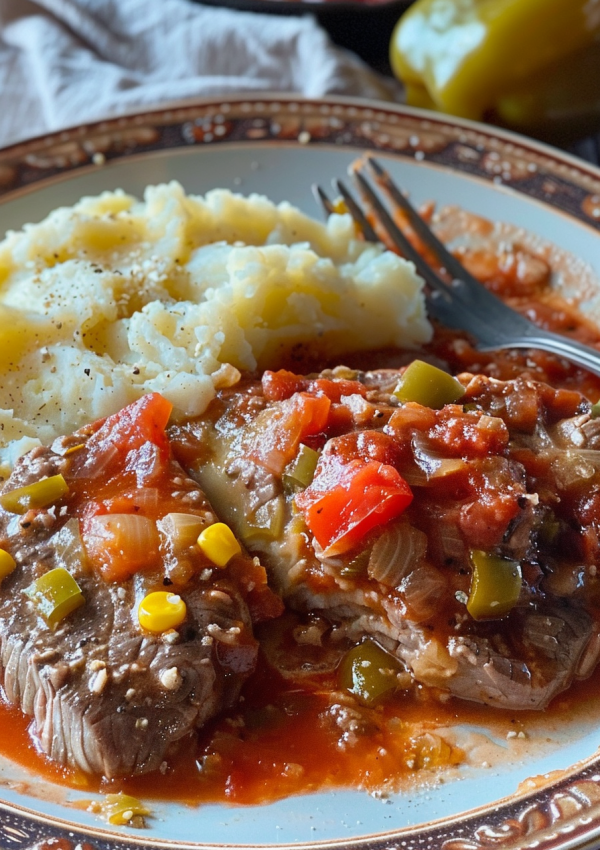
pixel 460 302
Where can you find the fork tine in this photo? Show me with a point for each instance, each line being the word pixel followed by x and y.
pixel 357 213
pixel 471 289
pixel 416 222
pixel 322 199
pixel 449 261
pixel 464 303
pixel 398 238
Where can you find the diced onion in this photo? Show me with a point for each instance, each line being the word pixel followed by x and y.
pixel 423 587
pixel 414 476
pixel 147 498
pixel 446 541
pixel 68 546
pixel 434 464
pixel 589 455
pixel 182 530
pixel 396 551
pixel 447 466
pixel 573 467
pixel 132 527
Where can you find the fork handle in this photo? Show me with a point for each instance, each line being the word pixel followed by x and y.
pixel 584 356
pixel 524 334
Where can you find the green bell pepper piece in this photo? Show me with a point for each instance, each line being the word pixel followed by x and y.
pixel 495 586
pixel 428 385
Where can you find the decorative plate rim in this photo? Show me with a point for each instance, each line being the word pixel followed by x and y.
pixel 571 171
pixel 550 817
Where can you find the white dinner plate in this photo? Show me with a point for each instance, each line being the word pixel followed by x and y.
pixel 279 146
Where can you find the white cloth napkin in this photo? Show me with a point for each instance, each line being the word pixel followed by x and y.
pixel 66 62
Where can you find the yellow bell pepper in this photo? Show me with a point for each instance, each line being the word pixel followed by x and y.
pixel 37 495
pixel 55 594
pixel 463 56
pixel 121 808
pixel 7 564
pixel 563 97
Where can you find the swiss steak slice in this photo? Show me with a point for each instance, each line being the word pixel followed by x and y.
pixel 108 695
pixel 459 538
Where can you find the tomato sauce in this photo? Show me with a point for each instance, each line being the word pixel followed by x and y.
pixel 276 745
pixel 282 738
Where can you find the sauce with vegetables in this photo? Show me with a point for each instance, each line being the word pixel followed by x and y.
pixel 467 506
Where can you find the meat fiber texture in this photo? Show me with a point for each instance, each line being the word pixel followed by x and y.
pixel 115 297
pixel 517 662
pixel 106 697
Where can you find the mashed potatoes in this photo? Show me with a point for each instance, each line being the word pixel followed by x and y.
pixel 116 297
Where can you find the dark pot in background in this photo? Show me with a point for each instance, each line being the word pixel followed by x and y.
pixel 364 27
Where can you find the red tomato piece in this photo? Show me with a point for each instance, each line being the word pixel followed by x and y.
pixel 368 445
pixel 334 390
pixel 141 422
pixel 278 431
pixel 348 498
pixel 132 442
pixel 280 385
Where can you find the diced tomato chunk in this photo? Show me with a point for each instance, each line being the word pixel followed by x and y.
pixel 119 545
pixel 368 445
pixel 334 390
pixel 131 444
pixel 141 422
pixel 408 419
pixel 278 431
pixel 340 419
pixel 350 496
pixel 485 522
pixel 278 386
pixel 459 434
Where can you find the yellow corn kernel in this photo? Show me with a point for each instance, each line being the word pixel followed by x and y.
pixel 7 563
pixel 219 544
pixel 160 611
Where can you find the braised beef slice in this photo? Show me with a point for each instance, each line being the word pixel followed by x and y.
pixel 106 697
pixel 519 661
